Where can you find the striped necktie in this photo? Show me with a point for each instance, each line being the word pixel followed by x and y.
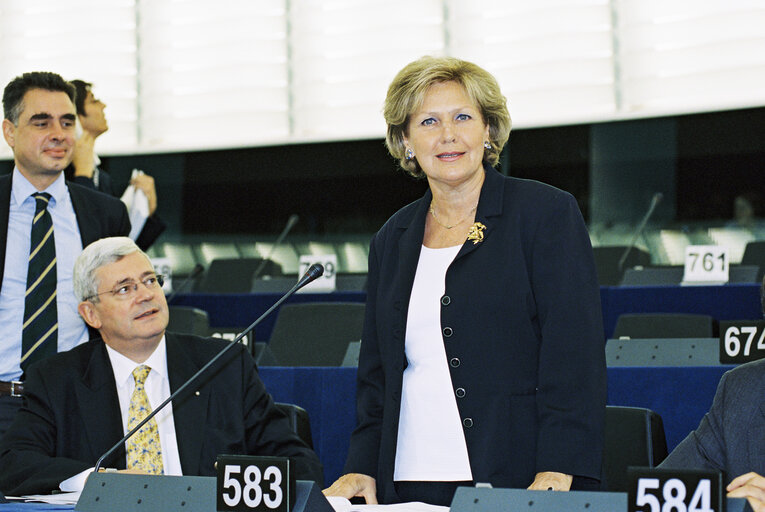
pixel 143 449
pixel 40 330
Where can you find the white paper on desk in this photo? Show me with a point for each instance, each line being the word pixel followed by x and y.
pixel 138 206
pixel 344 505
pixel 63 498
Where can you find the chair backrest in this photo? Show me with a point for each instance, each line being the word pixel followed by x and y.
pixel 607 262
pixel 234 275
pixel 351 357
pixel 673 275
pixel 299 421
pixel 652 276
pixel 664 325
pixel 315 334
pixel 188 319
pixel 633 437
pixel 663 352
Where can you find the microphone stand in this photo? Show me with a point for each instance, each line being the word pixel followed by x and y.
pixel 290 224
pixel 315 271
pixel 655 200
pixel 198 268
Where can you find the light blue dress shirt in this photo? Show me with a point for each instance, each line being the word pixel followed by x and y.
pixel 71 329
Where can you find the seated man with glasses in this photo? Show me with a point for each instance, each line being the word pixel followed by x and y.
pixel 81 402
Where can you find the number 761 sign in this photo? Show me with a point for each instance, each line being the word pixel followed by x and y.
pixel 706 264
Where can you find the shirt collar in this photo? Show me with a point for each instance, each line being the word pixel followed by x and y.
pixel 22 188
pixel 123 366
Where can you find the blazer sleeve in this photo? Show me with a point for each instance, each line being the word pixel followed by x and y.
pixel 364 447
pixel 705 447
pixel 27 449
pixel 571 387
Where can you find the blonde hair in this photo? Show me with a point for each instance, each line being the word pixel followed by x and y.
pixel 407 92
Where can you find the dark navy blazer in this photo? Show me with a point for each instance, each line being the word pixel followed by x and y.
pixel 521 324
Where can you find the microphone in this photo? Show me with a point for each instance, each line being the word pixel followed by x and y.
pixel 313 272
pixel 198 268
pixel 291 221
pixel 655 200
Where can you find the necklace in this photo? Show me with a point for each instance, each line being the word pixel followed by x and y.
pixel 466 217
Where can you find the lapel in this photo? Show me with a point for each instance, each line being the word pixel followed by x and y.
pixel 189 408
pixel 99 404
pixel 5 207
pixel 489 205
pixel 755 433
pixel 83 211
pixel 411 230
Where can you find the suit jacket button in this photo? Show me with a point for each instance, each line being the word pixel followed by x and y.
pixel 446 300
pixel 455 362
pixel 460 392
pixel 467 422
pixel 448 332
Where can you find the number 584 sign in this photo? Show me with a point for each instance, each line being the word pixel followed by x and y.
pixel 667 490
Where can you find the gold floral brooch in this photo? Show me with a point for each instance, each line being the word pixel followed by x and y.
pixel 476 232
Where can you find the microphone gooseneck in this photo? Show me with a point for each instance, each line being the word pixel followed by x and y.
pixel 655 200
pixel 313 272
pixel 198 268
pixel 291 221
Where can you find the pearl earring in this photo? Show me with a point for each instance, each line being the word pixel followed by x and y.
pixel 487 145
pixel 409 154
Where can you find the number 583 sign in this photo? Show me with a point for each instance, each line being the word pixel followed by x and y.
pixel 668 490
pixel 254 484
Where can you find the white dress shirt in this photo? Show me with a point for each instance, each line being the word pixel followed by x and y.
pixel 431 444
pixel 71 329
pixel 157 387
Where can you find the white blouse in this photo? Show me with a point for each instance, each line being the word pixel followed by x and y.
pixel 431 444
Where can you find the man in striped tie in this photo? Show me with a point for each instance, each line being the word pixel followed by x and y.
pixel 44 224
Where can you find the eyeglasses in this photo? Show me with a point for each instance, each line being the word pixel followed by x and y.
pixel 127 290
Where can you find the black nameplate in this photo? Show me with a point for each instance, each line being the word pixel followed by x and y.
pixel 741 341
pixel 675 490
pixel 260 484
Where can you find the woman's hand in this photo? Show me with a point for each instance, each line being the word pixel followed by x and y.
pixel 352 485
pixel 551 481
pixel 750 486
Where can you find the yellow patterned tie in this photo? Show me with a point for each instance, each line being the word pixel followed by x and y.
pixel 143 449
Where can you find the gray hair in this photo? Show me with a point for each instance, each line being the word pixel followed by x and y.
pixel 94 256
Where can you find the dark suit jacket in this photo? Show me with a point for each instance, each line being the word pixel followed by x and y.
pixel 72 416
pixel 98 215
pixel 154 225
pixel 522 329
pixel 731 436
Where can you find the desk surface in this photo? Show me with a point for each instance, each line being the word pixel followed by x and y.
pixel 26 507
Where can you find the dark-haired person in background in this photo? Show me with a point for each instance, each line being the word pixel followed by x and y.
pixel 81 402
pixel 731 436
pixel 85 171
pixel 38 311
pixel 482 352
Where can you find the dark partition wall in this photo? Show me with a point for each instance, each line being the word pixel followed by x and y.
pixel 354 186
